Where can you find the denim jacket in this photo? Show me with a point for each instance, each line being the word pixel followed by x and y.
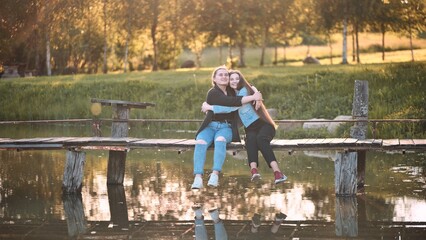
pixel 246 112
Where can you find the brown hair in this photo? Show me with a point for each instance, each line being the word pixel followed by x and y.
pixel 263 113
pixel 215 71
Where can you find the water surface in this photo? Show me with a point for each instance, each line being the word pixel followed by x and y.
pixel 155 201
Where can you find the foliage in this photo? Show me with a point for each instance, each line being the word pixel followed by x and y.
pixel 87 36
pixel 396 92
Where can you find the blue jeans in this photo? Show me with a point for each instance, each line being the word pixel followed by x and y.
pixel 209 135
pixel 201 231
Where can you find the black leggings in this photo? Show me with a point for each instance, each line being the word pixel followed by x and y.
pixel 258 137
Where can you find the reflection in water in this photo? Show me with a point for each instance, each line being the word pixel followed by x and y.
pixel 200 227
pixel 157 188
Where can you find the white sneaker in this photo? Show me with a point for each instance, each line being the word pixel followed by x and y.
pixel 198 211
pixel 214 214
pixel 198 183
pixel 213 181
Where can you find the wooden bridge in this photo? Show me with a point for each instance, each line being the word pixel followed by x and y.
pixel 349 165
pixel 126 144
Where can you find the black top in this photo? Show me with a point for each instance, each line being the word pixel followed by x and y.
pixel 215 96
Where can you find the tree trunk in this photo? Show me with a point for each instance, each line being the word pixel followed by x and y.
pixel 242 63
pixel 284 54
pixel 105 67
pixel 353 46
pixel 154 33
pixel 230 54
pixel 88 49
pixel 331 49
pixel 220 50
pixel 383 43
pixel 264 41
pixel 411 45
pixel 126 51
pixel 345 46
pixel 48 67
pixel 47 39
pixel 275 55
pixel 358 60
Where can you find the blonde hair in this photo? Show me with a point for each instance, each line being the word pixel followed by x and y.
pixel 262 112
pixel 215 71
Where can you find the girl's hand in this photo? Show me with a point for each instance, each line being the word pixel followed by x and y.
pixel 257 96
pixel 257 104
pixel 206 107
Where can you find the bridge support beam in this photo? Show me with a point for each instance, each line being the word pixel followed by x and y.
pixel 359 130
pixel 73 173
pixel 350 166
pixel 120 129
pixel 346 217
pixel 117 159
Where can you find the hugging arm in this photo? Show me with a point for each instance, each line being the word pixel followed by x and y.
pixel 217 109
pixel 218 98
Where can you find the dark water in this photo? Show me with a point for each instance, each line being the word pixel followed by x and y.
pixel 155 201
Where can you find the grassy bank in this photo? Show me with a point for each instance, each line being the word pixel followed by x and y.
pixel 396 91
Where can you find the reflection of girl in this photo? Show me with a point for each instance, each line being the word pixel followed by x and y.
pixel 220 128
pixel 258 125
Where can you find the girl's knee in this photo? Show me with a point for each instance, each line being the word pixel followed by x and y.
pixel 220 139
pixel 200 141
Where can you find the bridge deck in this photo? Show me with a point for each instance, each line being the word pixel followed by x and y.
pixel 107 143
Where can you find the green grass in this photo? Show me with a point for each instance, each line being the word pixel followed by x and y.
pixel 322 91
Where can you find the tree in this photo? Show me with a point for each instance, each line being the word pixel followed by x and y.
pixel 328 20
pixel 384 18
pixel 412 19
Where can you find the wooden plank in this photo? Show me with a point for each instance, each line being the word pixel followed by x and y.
pixel 285 143
pixel 350 141
pixel 30 140
pixel 337 140
pixel 319 140
pixel 390 142
pixel 406 142
pixel 419 142
pixel 128 104
pixel 4 140
pixel 188 142
pixel 59 139
pixel 31 146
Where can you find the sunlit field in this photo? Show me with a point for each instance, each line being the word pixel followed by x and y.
pixel 294 55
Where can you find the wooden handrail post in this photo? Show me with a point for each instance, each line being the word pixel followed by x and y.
pixel 119 129
pixel 350 166
pixel 73 172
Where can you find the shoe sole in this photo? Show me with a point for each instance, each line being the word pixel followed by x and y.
pixel 280 181
pixel 192 187
pixel 256 178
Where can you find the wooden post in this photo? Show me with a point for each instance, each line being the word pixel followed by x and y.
pixel 118 206
pixel 349 172
pixel 346 217
pixel 359 130
pixel 73 173
pixel 120 129
pixel 74 214
pixel 345 174
pixel 117 159
pixel 116 167
pixel 120 115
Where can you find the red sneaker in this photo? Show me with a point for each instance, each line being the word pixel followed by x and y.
pixel 255 176
pixel 279 177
